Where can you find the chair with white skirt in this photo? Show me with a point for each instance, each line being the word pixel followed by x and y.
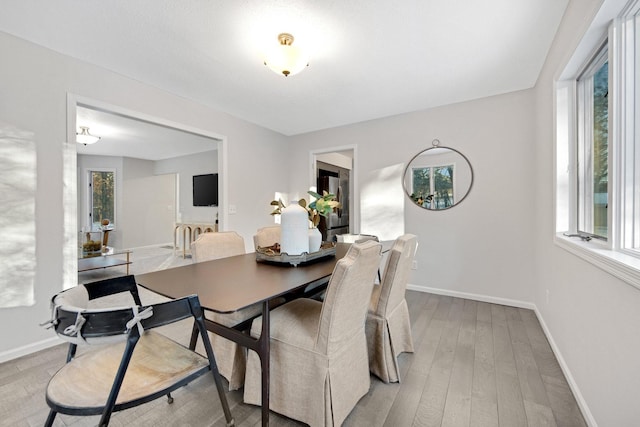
pixel 388 324
pixel 319 365
pixel 231 357
pixel 266 236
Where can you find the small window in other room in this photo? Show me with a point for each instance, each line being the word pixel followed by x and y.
pixel 102 197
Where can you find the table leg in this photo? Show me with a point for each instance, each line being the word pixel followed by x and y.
pixel 128 253
pixel 264 353
pixel 261 345
pixel 176 237
pixel 184 240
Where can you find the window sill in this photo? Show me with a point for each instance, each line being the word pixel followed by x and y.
pixel 624 267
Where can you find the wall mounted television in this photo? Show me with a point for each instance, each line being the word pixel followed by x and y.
pixel 205 190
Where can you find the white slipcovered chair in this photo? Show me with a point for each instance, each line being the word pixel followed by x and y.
pixel 230 356
pixel 319 362
pixel 266 236
pixel 355 238
pixel 210 246
pixel 388 324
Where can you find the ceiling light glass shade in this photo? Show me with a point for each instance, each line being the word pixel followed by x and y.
pixel 84 137
pixel 285 59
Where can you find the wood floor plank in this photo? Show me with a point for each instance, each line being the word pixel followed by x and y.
pixel 484 401
pixel 510 404
pixel 405 405
pixel 433 399
pixel 457 410
pixel 539 415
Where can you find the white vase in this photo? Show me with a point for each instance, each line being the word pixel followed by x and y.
pixel 315 240
pixel 294 226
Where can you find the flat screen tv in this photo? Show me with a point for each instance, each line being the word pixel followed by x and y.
pixel 205 190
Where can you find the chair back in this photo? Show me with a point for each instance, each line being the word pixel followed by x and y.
pixel 355 238
pixel 396 273
pixel 266 236
pixel 348 296
pixel 209 246
pixel 76 323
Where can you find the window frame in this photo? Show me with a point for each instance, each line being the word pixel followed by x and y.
pixel 584 209
pixel 619 26
pixel 89 199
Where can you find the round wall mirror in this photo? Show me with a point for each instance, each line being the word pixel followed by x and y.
pixel 438 178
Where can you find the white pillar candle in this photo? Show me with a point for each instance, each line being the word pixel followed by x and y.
pixel 294 238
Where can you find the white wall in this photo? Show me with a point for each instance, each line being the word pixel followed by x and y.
pixel 34 83
pixel 148 211
pixel 593 318
pixel 485 245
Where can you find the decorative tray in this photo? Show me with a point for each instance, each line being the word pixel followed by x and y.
pixel 273 254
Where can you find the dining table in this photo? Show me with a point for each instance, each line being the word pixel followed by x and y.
pixel 230 284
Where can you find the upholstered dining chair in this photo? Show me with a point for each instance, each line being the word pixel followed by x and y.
pixel 388 324
pixel 319 363
pixel 231 357
pixel 355 238
pixel 358 238
pixel 222 244
pixel 131 363
pixel 266 236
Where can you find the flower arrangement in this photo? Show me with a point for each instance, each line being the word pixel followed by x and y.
pixel 323 205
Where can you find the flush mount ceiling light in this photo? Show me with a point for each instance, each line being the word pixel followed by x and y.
pixel 84 137
pixel 286 59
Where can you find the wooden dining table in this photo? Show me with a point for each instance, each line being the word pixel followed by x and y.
pixel 230 284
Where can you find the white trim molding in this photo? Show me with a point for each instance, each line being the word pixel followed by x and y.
pixel 474 297
pixel 29 349
pixel 624 267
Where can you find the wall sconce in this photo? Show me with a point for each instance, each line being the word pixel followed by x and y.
pixel 84 137
pixel 286 59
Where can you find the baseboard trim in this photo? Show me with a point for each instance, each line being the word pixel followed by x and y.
pixel 29 349
pixel 475 297
pixel 582 404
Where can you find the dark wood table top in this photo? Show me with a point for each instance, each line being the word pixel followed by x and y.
pixel 230 284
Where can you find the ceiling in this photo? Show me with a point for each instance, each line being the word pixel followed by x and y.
pixel 128 137
pixel 368 58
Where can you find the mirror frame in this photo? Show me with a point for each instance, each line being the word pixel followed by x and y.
pixel 436 144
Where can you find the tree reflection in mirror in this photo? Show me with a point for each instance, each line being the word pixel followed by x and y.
pixel 438 178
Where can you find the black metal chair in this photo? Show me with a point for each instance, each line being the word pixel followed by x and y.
pixel 136 365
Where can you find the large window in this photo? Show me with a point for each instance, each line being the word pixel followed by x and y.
pixel 598 147
pixel 102 197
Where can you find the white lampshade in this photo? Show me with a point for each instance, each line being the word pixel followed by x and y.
pixel 286 59
pixel 84 137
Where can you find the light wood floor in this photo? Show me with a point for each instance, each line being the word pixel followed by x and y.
pixel 476 364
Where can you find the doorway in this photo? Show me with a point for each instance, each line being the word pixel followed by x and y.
pixel 336 162
pixel 70 168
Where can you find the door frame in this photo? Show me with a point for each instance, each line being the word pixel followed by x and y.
pixel 354 220
pixel 70 178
